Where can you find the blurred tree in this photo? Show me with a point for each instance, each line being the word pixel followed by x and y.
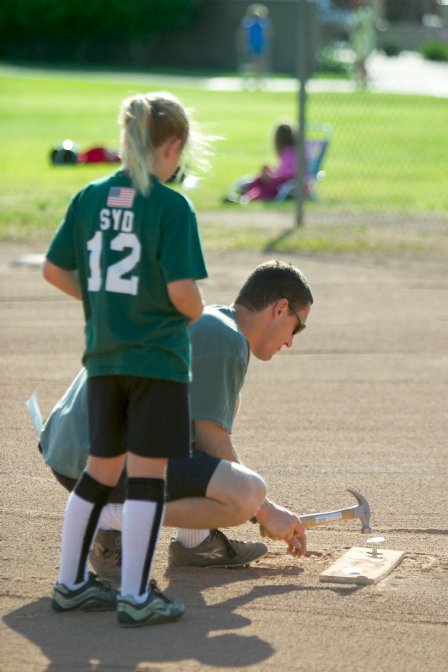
pixel 68 23
pixel 405 10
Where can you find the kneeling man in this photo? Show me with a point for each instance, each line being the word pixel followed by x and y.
pixel 212 488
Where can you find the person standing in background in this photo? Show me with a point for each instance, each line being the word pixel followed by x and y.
pixel 254 43
pixel 362 35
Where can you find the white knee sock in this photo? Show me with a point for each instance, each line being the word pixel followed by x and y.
pixel 190 538
pixel 140 520
pixel 78 514
pixel 112 517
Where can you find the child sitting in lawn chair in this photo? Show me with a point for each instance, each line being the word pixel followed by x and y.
pixel 316 146
pixel 279 183
pixel 266 185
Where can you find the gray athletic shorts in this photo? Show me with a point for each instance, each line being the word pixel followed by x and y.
pixel 186 477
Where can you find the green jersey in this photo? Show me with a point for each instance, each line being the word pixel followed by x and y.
pixel 126 248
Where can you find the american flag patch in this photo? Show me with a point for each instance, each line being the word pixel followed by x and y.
pixel 120 197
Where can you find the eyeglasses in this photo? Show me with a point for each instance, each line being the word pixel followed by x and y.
pixel 300 326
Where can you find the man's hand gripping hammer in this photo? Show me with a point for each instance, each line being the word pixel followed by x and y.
pixel 361 511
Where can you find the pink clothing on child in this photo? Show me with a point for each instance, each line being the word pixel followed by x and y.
pixel 265 187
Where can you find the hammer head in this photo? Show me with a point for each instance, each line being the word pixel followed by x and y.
pixel 362 511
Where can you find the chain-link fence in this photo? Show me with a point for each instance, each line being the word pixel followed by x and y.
pixel 376 94
pixel 386 151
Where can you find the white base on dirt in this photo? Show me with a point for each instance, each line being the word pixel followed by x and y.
pixel 359 565
pixel 30 260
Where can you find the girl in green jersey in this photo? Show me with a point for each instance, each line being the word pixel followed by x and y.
pixel 129 248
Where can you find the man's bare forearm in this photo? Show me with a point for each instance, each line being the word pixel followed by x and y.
pixel 215 440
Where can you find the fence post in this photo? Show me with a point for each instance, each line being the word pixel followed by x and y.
pixel 305 57
pixel 301 76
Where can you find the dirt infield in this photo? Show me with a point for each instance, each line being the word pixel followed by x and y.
pixel 361 399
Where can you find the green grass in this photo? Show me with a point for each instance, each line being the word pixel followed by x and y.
pixel 387 154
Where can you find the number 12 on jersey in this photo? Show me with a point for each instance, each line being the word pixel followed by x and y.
pixel 115 282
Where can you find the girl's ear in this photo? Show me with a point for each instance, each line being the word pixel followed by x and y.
pixel 173 146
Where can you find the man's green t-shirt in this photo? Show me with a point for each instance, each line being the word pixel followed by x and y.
pixel 220 361
pixel 126 248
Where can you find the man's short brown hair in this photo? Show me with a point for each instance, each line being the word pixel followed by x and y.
pixel 271 281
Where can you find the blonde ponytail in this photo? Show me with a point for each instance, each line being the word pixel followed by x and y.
pixel 147 121
pixel 136 149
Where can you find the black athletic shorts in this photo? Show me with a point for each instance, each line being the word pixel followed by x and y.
pixel 189 477
pixel 153 414
pixel 186 477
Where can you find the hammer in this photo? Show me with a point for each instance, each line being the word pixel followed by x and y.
pixel 361 511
